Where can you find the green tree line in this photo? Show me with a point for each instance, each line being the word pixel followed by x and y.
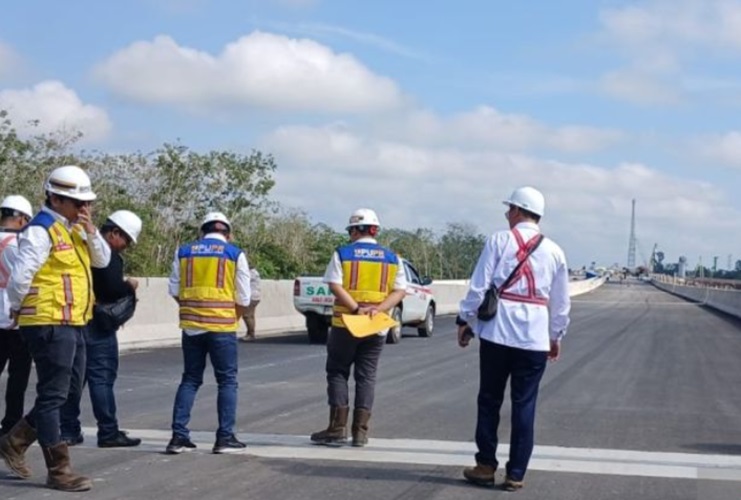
pixel 172 188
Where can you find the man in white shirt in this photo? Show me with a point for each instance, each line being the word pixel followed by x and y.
pixel 210 281
pixel 16 213
pixel 365 278
pixel 51 297
pixel 531 319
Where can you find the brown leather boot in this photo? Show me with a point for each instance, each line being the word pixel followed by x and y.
pixel 482 475
pixel 336 433
pixel 360 418
pixel 13 446
pixel 60 475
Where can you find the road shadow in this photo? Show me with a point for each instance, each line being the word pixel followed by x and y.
pixel 433 475
pixel 719 448
pixel 299 337
pixel 728 318
pixel 302 338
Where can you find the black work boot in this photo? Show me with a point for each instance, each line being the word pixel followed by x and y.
pixel 360 418
pixel 13 446
pixel 336 433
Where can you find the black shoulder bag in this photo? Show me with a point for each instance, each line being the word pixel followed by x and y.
pixel 488 308
pixel 111 316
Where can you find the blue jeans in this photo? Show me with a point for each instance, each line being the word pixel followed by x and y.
pixel 221 348
pixel 100 375
pixel 59 354
pixel 497 364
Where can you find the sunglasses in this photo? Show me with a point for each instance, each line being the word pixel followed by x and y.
pixel 77 203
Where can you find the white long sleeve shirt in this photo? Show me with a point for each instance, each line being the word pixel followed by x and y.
pixel 9 254
pixel 34 247
pixel 242 282
pixel 520 324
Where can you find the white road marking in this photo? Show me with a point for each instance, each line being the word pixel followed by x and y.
pixel 461 453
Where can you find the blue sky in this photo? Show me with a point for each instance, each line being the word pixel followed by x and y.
pixel 430 112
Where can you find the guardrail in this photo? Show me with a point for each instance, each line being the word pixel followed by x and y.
pixel 727 301
pixel 155 323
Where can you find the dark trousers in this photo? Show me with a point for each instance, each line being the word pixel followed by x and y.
pixel 59 354
pixel 100 375
pixel 497 364
pixel 14 353
pixel 221 348
pixel 344 351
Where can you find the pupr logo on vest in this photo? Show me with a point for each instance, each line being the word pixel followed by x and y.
pixel 369 253
pixel 208 249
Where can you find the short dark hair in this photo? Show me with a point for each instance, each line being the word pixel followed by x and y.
pixel 215 227
pixel 528 213
pixel 9 212
pixel 108 226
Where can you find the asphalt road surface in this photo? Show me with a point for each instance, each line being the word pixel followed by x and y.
pixel 645 403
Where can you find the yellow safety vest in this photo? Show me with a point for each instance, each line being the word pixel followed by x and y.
pixel 61 292
pixel 368 274
pixel 208 270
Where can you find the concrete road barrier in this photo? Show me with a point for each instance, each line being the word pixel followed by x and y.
pixel 727 301
pixel 156 320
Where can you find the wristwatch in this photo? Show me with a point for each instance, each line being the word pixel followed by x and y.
pixel 459 321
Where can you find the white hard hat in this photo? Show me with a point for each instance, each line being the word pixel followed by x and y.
pixel 128 222
pixel 19 204
pixel 216 217
pixel 363 217
pixel 70 181
pixel 527 198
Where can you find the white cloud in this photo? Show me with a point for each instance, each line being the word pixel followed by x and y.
pixel 9 60
pixel 635 86
pixel 661 39
pixel 317 30
pixel 331 170
pixel 676 24
pixel 724 149
pixel 56 107
pixel 261 70
pixel 488 127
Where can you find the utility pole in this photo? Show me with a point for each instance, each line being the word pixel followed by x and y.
pixel 632 241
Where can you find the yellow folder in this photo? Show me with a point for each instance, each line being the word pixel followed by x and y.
pixel 362 325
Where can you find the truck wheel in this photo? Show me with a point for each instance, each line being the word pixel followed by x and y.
pixel 394 334
pixel 425 329
pixel 317 328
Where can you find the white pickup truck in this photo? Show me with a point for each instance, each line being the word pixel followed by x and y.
pixel 312 298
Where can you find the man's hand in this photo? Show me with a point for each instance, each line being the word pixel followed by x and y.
pixel 14 319
pixel 86 219
pixel 240 310
pixel 465 334
pixel 369 310
pixel 555 351
pixel 133 282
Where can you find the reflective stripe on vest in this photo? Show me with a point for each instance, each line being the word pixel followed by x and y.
pixel 207 292
pixel 368 273
pixel 526 271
